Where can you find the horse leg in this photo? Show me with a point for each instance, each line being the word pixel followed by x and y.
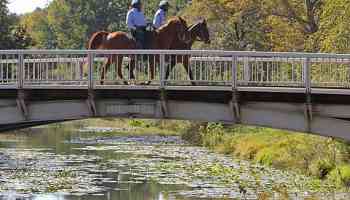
pixel 186 63
pixel 104 69
pixel 171 67
pixel 132 67
pixel 119 66
pixel 152 62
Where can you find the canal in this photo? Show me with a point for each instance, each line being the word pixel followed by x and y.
pixel 75 162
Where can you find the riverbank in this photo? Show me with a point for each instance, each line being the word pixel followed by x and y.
pixel 323 158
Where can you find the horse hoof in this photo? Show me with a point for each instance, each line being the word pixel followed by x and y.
pixel 126 83
pixel 131 83
pixel 102 83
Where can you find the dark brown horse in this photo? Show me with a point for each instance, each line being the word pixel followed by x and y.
pixel 197 32
pixel 163 38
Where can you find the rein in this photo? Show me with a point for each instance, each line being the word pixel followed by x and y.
pixel 192 29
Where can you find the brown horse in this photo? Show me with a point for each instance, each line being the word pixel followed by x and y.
pixel 163 38
pixel 197 32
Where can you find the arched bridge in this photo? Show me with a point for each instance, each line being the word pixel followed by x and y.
pixel 294 91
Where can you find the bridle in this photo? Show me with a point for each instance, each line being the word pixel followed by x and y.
pixel 198 37
pixel 183 37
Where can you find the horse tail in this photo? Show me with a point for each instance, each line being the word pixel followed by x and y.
pixel 97 39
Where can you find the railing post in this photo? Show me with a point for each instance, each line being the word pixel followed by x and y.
pixel 91 94
pixel 307 75
pixel 246 70
pixel 234 72
pixel 20 71
pixel 234 103
pixel 162 71
pixel 163 95
pixel 91 70
pixel 308 104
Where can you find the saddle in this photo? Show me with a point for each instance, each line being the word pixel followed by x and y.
pixel 144 36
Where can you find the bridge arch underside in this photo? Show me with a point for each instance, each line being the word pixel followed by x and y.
pixel 327 115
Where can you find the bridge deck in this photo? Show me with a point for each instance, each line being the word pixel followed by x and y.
pixel 294 91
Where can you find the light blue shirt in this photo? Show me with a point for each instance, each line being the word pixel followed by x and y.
pixel 135 18
pixel 159 18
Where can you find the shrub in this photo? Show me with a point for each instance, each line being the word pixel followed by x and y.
pixel 321 168
pixel 340 176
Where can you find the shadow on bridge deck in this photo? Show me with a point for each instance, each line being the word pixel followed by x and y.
pixel 324 112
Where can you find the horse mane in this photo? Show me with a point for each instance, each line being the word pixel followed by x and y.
pixel 192 26
pixel 172 20
pixel 97 39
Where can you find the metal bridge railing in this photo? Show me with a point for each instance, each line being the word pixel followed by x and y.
pixel 86 68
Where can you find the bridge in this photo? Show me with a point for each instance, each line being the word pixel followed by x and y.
pixel 293 91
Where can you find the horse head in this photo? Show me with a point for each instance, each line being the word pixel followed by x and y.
pixel 204 32
pixel 200 31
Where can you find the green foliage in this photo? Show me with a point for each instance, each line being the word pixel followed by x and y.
pixel 192 135
pixel 267 25
pixel 137 123
pixel 308 154
pixel 334 34
pixel 5 25
pixel 211 134
pixel 70 23
pixel 340 176
pixel 12 35
pixel 20 37
pixel 321 168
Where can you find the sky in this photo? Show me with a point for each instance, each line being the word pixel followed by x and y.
pixel 25 6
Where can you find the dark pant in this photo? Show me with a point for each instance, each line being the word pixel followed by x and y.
pixel 140 36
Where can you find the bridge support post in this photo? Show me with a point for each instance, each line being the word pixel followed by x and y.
pixel 308 104
pixel 163 95
pixel 163 104
pixel 91 93
pixel 21 95
pixel 234 106
pixel 234 103
pixel 21 103
pixel 91 103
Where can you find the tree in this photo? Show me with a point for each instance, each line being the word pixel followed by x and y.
pixel 235 24
pixel 306 14
pixel 20 37
pixel 37 25
pixel 4 25
pixel 12 35
pixel 334 31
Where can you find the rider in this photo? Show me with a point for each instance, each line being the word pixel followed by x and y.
pixel 160 16
pixel 136 22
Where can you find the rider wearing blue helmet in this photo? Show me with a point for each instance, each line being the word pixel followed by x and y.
pixel 136 22
pixel 160 16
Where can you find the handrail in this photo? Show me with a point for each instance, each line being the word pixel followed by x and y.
pixel 216 67
pixel 184 52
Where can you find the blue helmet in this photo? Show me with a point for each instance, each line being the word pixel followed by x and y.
pixel 135 2
pixel 163 3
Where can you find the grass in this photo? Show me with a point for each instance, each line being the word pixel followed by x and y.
pixel 126 126
pixel 323 158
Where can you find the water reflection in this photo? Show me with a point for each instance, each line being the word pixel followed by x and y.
pixel 91 166
pixel 54 140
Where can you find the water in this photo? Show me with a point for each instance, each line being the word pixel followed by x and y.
pixel 63 163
